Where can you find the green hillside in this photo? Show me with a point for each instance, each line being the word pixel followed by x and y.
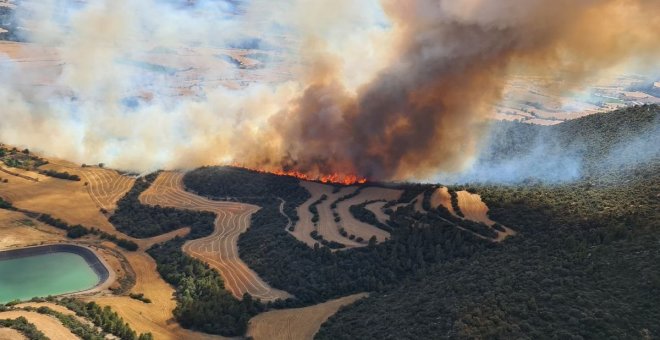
pixel 595 146
pixel 585 264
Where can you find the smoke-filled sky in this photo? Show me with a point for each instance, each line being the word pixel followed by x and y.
pixel 389 89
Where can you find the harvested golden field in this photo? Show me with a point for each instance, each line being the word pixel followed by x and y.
pixel 105 186
pixel 326 226
pixel 304 226
pixel 296 323
pixel 49 325
pixel 377 209
pixel 10 334
pixel 72 202
pixel 361 229
pixel 220 249
pixel 475 209
pixel 419 203
pixel 64 199
pixel 18 230
pixel 442 197
pixel 155 317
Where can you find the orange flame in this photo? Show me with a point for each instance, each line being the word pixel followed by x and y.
pixel 334 178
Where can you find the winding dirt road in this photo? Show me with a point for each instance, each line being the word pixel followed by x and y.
pixel 220 249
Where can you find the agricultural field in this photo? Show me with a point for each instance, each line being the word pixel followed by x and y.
pixel 476 210
pixel 219 249
pixel 358 228
pixel 75 202
pixel 296 323
pixel 441 197
pixel 47 324
pixel 105 186
pixel 322 222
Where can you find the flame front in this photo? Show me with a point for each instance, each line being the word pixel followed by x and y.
pixel 334 178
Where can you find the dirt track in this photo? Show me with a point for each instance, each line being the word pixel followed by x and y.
pixel 220 249
pixel 296 323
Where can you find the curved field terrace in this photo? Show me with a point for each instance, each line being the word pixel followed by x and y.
pixel 219 250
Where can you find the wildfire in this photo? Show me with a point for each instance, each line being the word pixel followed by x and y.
pixel 334 178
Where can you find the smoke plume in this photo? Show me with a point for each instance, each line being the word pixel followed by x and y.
pixel 390 89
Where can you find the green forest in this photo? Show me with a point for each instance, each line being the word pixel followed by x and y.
pixel 585 262
pixel 583 265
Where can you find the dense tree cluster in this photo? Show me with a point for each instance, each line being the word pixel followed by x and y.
pixel 226 183
pixel 361 213
pixel 203 303
pixel 138 220
pixel 103 317
pixel 585 263
pixel 60 175
pixel 20 159
pixel 313 208
pixel 78 231
pixel 317 274
pixel 6 205
pixel 26 328
pixel 575 271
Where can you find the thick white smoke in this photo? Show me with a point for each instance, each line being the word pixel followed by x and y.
pixel 388 89
pixel 142 85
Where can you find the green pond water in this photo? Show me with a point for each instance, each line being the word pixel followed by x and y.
pixel 43 275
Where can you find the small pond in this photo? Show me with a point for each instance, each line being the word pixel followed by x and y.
pixel 48 270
